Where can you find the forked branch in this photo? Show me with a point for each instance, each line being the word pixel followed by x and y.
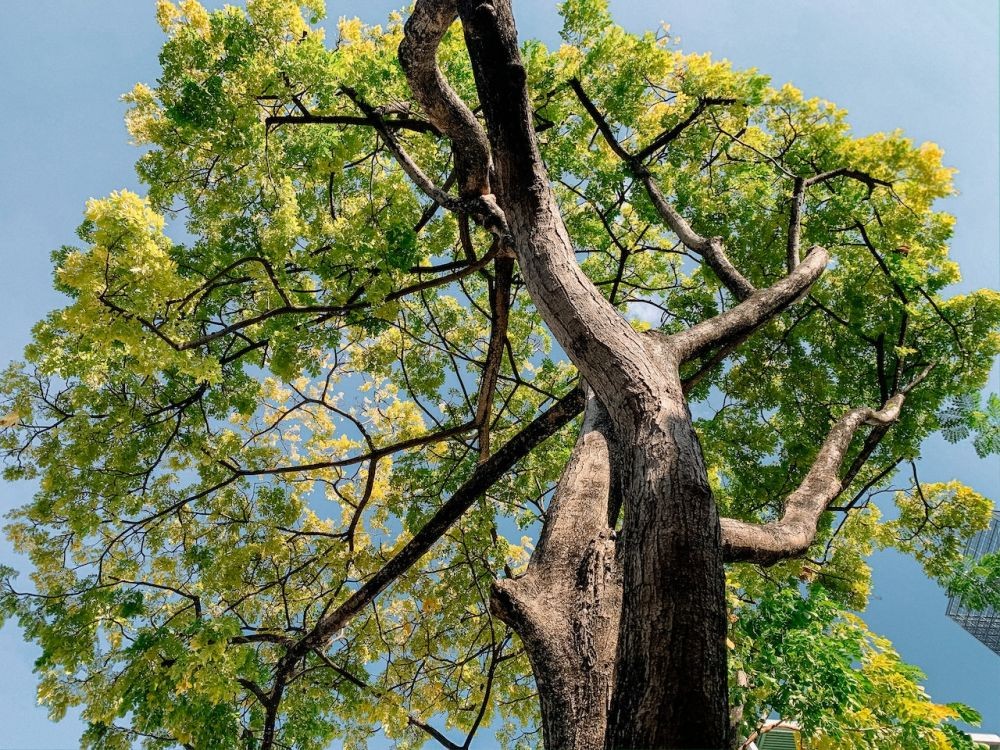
pixel 426 26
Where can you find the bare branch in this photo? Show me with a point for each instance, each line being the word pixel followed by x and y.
pixel 415 442
pixel 484 476
pixel 326 311
pixel 434 733
pixel 708 248
pixel 401 123
pixel 413 171
pixel 602 124
pixel 673 133
pixel 795 224
pixel 412 719
pixel 883 266
pixel 801 184
pixel 500 304
pixel 854 174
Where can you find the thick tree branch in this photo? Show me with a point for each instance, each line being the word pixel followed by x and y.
pixel 608 352
pixel 578 511
pixel 749 315
pixel 422 34
pixel 400 123
pixel 791 535
pixel 566 606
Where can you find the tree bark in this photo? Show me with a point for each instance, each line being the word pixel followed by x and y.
pixel 671 679
pixel 565 608
pixel 596 690
pixel 626 636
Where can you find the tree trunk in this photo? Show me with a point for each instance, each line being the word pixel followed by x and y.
pixel 567 605
pixel 670 684
pixel 671 678
pixel 662 660
pixel 569 633
pixel 662 683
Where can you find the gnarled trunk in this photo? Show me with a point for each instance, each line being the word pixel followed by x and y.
pixel 670 685
pixel 567 606
pixel 569 631
pixel 662 682
pixel 647 624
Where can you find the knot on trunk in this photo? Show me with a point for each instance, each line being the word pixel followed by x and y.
pixel 512 603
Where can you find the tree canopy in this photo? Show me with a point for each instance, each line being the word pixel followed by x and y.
pixel 300 412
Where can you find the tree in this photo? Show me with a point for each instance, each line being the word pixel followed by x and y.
pixel 281 463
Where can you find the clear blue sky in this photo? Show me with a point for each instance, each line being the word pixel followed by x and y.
pixel 925 66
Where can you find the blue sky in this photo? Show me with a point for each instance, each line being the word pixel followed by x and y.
pixel 927 67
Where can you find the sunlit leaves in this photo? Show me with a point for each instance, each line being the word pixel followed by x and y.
pixel 963 417
pixel 845 686
pixel 935 522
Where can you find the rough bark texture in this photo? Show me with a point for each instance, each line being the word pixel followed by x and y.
pixel 673 618
pixel 671 685
pixel 566 607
